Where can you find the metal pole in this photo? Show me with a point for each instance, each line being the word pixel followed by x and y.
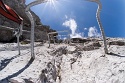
pixel 69 38
pixel 54 40
pixel 101 28
pixel 100 24
pixel 48 39
pixel 32 33
pixel 18 40
pixel 17 34
pixel 28 13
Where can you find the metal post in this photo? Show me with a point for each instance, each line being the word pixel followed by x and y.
pixel 54 40
pixel 69 38
pixel 100 24
pixel 32 32
pixel 17 34
pixel 28 13
pixel 48 39
pixel 18 40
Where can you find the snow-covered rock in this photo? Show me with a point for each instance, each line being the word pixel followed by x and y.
pixel 63 63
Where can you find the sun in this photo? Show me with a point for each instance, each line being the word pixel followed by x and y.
pixel 51 5
pixel 52 2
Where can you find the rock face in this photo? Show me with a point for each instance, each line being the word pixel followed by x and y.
pixel 19 6
pixel 7 33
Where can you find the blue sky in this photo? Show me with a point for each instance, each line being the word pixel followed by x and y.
pixel 79 17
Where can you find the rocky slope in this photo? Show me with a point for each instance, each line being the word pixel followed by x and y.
pixel 64 63
pixel 6 35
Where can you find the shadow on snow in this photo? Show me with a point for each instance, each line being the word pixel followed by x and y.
pixel 17 73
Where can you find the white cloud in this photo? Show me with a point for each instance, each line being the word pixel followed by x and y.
pixel 66 16
pixel 93 32
pixel 85 28
pixel 71 23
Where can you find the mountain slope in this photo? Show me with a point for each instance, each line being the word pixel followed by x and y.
pixel 63 63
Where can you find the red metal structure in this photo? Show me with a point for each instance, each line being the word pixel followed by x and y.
pixel 9 13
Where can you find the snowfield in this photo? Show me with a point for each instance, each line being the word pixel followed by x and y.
pixel 62 63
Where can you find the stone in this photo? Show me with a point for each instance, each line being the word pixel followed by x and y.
pixel 119 43
pixel 19 6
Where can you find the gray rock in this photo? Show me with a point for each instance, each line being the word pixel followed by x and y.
pixel 19 7
pixel 119 43
pixel 5 35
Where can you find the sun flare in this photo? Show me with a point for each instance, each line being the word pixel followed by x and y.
pixel 52 2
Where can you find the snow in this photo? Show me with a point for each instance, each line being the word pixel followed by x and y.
pixel 91 67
